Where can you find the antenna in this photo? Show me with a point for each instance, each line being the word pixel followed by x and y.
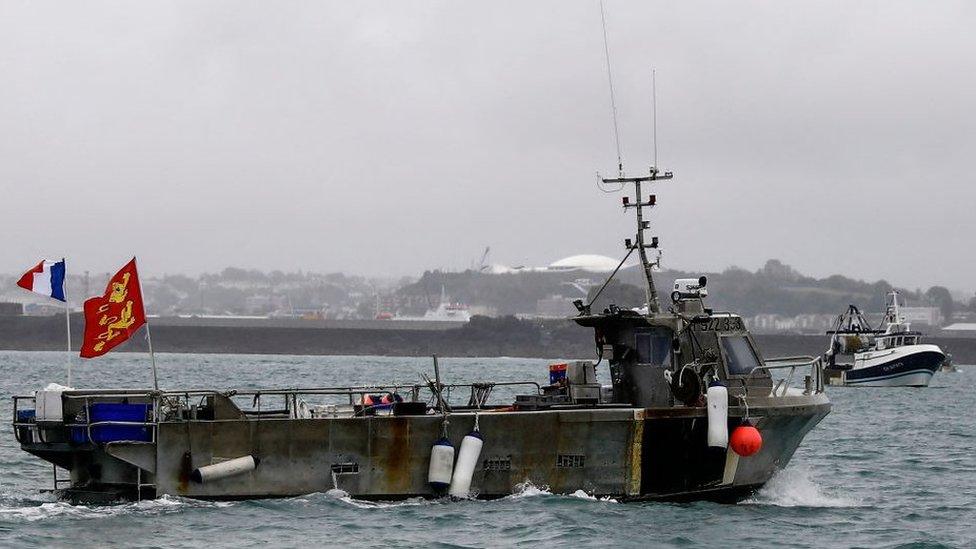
pixel 654 112
pixel 653 305
pixel 613 100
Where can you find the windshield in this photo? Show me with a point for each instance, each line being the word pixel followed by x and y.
pixel 739 356
pixel 654 347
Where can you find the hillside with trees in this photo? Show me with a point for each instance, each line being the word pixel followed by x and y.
pixel 775 288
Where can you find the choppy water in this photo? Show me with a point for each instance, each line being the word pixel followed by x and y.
pixel 887 468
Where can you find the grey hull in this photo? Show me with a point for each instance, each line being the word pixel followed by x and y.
pixel 625 453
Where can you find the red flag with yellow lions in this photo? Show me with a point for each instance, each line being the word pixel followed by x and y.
pixel 112 318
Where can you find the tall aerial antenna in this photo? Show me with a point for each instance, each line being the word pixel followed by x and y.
pixel 640 202
pixel 613 100
pixel 654 112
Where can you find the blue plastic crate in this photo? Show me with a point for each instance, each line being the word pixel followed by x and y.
pixel 25 432
pixel 111 411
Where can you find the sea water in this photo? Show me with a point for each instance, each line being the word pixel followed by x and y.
pixel 889 467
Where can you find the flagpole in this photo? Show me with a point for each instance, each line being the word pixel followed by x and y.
pixel 67 316
pixel 152 355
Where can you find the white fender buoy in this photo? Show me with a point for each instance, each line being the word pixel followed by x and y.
pixel 467 461
pixel 224 469
pixel 718 415
pixel 441 464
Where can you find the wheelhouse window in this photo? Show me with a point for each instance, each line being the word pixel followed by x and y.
pixel 654 347
pixel 740 358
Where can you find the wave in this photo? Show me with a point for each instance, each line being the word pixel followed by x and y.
pixel 32 511
pixel 795 487
pixel 336 495
pixel 529 490
pixel 522 491
pixel 590 497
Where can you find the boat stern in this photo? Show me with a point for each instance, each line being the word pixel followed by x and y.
pixel 105 442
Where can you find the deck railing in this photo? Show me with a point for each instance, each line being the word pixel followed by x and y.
pixel 813 383
pixel 182 400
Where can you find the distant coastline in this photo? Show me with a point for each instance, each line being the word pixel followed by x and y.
pixel 482 337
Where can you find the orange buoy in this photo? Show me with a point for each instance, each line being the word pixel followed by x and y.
pixel 745 440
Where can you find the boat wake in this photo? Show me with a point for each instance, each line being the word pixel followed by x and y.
pixel 529 490
pixel 25 510
pixel 341 496
pixel 522 491
pixel 795 487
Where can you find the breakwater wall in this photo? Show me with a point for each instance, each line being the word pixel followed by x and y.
pixel 482 337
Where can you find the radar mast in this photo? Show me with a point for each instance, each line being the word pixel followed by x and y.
pixel 651 298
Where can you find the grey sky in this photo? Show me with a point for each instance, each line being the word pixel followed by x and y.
pixel 385 138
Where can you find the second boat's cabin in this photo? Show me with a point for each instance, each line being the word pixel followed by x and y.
pixel 890 341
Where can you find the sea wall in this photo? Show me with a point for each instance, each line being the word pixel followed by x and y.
pixel 482 337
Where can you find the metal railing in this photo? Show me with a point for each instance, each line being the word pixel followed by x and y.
pixel 181 401
pixel 352 394
pixel 69 428
pixel 28 425
pixel 813 383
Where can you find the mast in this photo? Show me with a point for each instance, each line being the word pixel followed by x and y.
pixel 894 307
pixel 651 299
pixel 652 302
pixel 893 315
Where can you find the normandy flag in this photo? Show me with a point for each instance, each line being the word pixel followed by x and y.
pixel 112 318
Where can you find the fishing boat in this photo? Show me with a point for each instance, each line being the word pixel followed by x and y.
pixel 890 356
pixel 688 408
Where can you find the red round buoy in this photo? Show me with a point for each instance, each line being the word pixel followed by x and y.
pixel 745 440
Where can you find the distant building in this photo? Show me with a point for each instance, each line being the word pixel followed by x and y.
pixel 929 316
pixel 555 306
pixel 813 323
pixel 765 322
pixel 42 309
pixel 590 263
pixel 11 309
pixel 257 304
pixel 960 329
pixel 771 323
pixel 587 262
pixel 482 310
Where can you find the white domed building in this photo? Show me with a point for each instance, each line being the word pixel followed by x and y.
pixel 590 263
pixel 587 263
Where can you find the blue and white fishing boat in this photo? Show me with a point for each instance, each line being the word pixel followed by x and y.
pixel 890 356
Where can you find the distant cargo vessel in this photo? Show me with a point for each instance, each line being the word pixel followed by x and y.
pixel 446 311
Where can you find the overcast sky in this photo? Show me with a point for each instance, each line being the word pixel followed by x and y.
pixel 386 138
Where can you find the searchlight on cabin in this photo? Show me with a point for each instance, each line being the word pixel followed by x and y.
pixel 689 288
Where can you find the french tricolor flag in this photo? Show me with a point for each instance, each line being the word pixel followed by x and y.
pixel 47 278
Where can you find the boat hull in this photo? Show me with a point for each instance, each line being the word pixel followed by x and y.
pixel 908 366
pixel 624 453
